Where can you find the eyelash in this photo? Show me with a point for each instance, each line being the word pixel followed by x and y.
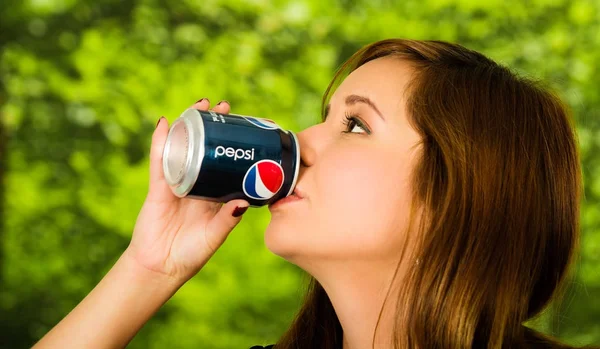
pixel 349 119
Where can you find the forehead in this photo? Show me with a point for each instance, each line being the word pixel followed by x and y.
pixel 382 80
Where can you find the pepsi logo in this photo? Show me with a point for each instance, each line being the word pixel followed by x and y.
pixel 234 153
pixel 262 123
pixel 263 180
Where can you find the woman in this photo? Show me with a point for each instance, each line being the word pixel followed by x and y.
pixel 440 209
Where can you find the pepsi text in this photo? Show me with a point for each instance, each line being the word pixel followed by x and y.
pixel 234 153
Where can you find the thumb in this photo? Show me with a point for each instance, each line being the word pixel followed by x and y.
pixel 159 188
pixel 229 215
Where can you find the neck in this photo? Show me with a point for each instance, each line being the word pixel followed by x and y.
pixel 357 293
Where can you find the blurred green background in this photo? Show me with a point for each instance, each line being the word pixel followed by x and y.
pixel 82 84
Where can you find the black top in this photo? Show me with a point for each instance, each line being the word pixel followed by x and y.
pixel 261 347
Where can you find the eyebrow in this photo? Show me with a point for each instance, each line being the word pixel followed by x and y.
pixel 353 99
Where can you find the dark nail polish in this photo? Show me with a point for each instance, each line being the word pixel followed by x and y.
pixel 239 211
pixel 200 100
pixel 159 120
pixel 223 101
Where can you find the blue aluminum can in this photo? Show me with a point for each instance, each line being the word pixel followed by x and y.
pixel 222 157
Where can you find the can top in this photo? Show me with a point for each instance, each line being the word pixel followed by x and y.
pixel 183 152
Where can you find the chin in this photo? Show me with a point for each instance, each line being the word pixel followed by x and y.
pixel 283 240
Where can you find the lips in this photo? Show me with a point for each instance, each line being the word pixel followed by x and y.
pixel 297 195
pixel 298 192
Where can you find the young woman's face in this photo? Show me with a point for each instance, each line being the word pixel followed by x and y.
pixel 355 184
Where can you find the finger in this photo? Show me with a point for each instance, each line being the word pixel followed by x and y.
pixel 159 188
pixel 202 104
pixel 222 107
pixel 219 227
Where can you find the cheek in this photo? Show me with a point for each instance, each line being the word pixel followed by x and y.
pixel 357 209
pixel 357 180
pixel 361 202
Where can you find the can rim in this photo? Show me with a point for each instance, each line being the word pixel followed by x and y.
pixel 297 167
pixel 195 153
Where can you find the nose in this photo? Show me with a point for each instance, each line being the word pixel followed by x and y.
pixel 308 151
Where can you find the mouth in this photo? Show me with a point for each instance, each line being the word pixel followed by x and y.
pixel 297 192
pixel 297 195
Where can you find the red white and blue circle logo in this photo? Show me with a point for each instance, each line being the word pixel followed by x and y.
pixel 262 123
pixel 263 180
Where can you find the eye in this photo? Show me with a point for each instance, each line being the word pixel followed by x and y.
pixel 353 123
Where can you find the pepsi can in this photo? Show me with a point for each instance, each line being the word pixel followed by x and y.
pixel 222 157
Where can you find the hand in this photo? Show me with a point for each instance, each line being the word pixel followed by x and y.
pixel 177 236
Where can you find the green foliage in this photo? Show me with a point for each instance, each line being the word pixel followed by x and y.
pixel 83 82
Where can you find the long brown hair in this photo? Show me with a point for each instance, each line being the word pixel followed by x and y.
pixel 500 184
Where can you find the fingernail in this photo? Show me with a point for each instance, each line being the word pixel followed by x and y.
pixel 239 211
pixel 159 120
pixel 200 100
pixel 223 101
